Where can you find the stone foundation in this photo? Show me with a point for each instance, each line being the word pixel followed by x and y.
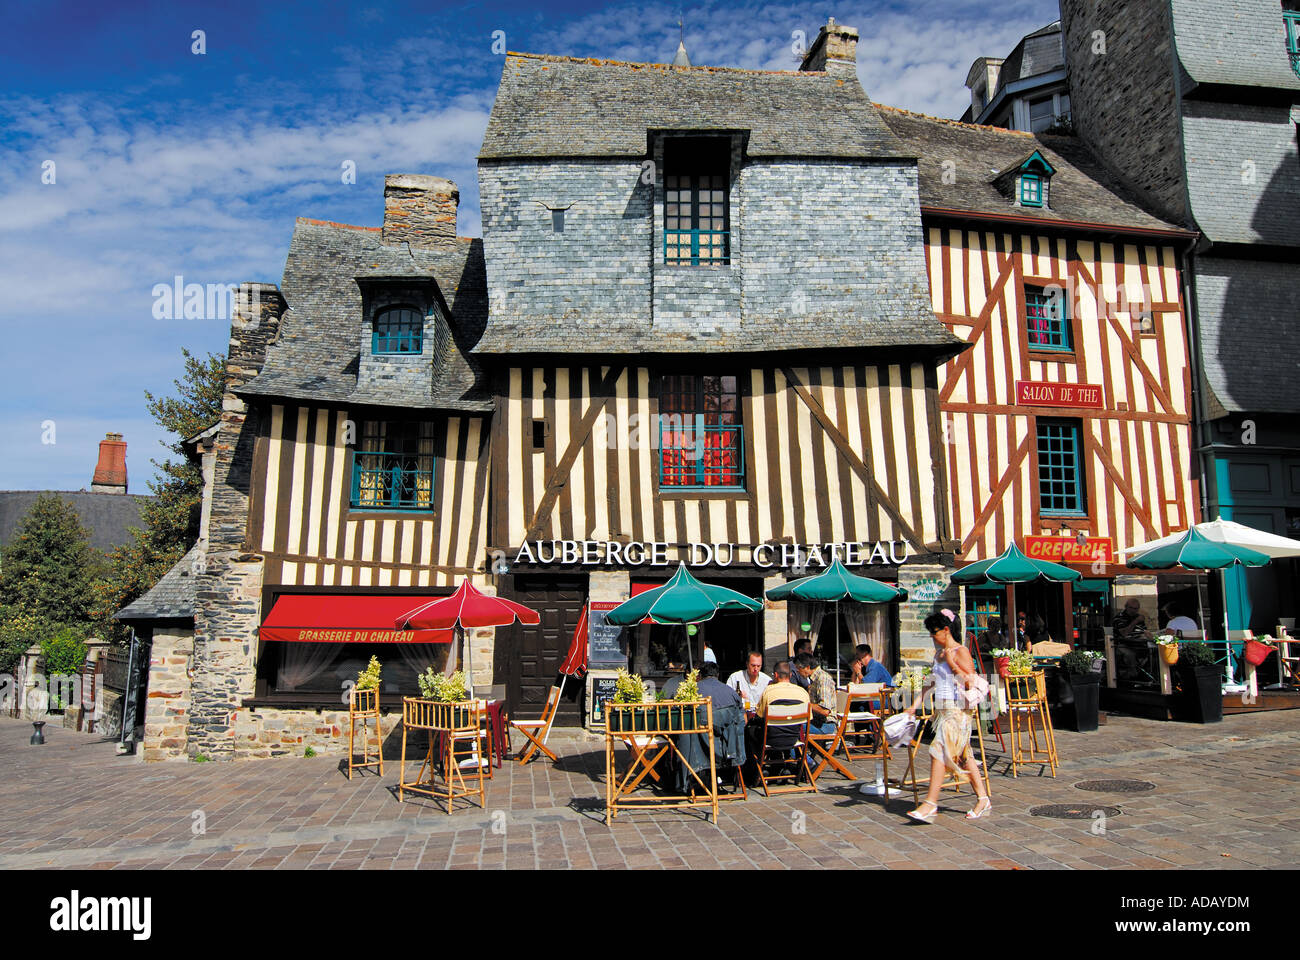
pixel 167 709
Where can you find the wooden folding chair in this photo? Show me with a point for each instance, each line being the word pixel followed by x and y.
pixel 791 718
pixel 363 706
pixel 538 730
pixel 949 778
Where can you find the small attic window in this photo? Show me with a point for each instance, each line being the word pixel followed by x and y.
pixel 1031 190
pixel 398 330
pixel 1291 17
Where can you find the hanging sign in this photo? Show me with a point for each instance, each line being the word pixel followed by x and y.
pixel 1037 393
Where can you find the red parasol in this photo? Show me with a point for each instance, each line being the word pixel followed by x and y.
pixel 467 607
pixel 575 662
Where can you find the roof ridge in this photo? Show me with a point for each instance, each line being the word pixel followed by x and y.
pixel 602 62
pixel 333 223
pixel 956 123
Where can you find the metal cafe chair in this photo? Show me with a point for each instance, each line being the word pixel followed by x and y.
pixel 789 722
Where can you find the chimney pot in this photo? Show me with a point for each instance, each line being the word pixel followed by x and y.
pixel 835 51
pixel 110 471
pixel 420 210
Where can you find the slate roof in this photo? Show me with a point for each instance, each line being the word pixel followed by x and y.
pixel 1250 340
pixel 551 106
pixel 172 597
pixel 1239 42
pixel 108 516
pixel 316 353
pixel 1036 53
pixel 1081 191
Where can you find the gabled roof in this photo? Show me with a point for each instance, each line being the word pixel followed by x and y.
pixel 568 107
pixel 172 597
pixel 316 352
pixel 1036 53
pixel 1083 193
pixel 1034 163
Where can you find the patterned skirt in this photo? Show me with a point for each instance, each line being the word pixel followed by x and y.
pixel 951 745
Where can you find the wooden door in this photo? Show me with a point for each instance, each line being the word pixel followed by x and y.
pixel 528 658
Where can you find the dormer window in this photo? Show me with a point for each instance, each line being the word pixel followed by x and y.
pixel 697 204
pixel 1027 182
pixel 398 330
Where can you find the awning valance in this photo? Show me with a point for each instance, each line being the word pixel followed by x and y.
pixel 348 618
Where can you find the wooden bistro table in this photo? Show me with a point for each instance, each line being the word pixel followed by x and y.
pixel 650 732
pixel 454 731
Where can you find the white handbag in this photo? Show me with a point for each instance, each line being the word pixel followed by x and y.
pixel 900 728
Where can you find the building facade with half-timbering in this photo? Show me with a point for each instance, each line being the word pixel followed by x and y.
pixel 1069 420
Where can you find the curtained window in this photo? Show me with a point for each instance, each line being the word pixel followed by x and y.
pixel 701 438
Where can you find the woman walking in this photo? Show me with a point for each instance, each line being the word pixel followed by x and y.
pixel 953 673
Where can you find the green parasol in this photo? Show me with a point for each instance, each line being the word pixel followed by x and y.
pixel 1014 567
pixel 832 585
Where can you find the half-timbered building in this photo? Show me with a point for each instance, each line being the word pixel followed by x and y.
pixel 1069 420
pixel 711 342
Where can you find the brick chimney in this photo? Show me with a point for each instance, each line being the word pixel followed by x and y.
pixel 110 472
pixel 835 51
pixel 420 210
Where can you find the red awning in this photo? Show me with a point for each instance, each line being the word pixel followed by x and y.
pixel 329 618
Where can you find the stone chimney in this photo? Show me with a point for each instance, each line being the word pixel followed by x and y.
pixel 835 51
pixel 110 472
pixel 420 210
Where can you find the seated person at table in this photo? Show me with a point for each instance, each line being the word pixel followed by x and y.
pixel 1177 621
pixel 993 638
pixel 717 691
pixel 1130 624
pixel 821 693
pixel 780 690
pixel 752 681
pixel 867 669
pixel 801 646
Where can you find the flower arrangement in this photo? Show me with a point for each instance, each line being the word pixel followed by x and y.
pixel 1001 652
pixel 1022 663
pixel 911 678
pixel 1165 639
pixel 1080 662
pixel 628 687
pixel 368 679
pixel 436 686
pixel 689 688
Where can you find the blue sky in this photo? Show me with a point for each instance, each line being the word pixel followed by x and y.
pixel 170 163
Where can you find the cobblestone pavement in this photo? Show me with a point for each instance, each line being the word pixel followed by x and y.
pixel 1225 797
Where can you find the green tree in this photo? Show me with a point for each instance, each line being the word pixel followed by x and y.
pixel 49 569
pixel 171 519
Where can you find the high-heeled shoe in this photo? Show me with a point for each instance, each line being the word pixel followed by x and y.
pixel 980 811
pixel 923 817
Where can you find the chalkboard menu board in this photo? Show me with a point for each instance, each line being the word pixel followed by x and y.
pixel 602 691
pixel 605 644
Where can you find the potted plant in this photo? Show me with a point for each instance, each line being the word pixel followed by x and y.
pixel 1258 649
pixel 443 689
pixel 1021 663
pixel 628 688
pixel 1085 684
pixel 1201 699
pixel 1168 645
pixel 1002 660
pixel 687 691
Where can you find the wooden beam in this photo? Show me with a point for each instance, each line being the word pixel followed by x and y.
pixel 855 462
pixel 995 496
pixel 560 475
pixel 1138 510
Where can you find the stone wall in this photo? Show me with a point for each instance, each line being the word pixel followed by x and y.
pixel 419 210
pixel 167 708
pixel 228 591
pixel 1125 101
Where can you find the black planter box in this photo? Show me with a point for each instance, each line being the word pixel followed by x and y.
pixel 1201 700
pixel 1087 694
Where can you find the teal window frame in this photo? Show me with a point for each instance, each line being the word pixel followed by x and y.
pixel 701 436
pixel 1292 20
pixel 697 218
pixel 403 335
pixel 1061 491
pixel 1031 190
pixel 1047 321
pixel 394 467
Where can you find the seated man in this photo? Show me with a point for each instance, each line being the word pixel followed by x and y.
pixel 867 669
pixel 1178 622
pixel 717 691
pixel 801 646
pixel 780 690
pixel 752 681
pixel 821 693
